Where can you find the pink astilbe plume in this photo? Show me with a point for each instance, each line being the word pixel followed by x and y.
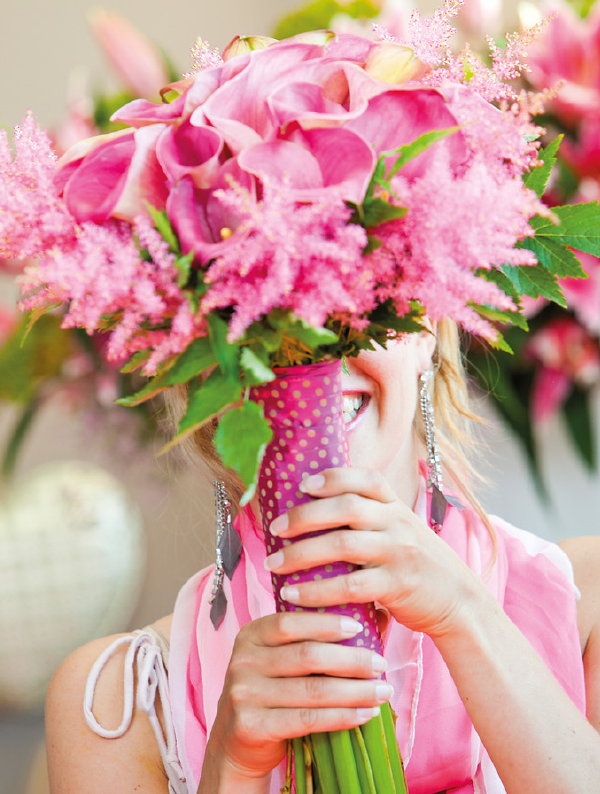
pixel 476 218
pixel 288 255
pixel 101 274
pixel 33 218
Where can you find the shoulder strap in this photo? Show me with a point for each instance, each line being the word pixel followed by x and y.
pixel 144 656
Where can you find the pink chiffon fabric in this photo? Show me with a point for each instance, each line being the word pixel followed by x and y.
pixel 530 577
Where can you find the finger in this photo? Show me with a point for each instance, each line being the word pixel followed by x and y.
pixel 365 482
pixel 308 658
pixel 348 509
pixel 282 723
pixel 292 627
pixel 318 691
pixel 358 587
pixel 355 546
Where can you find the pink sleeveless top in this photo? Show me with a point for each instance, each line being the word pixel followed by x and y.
pixel 530 577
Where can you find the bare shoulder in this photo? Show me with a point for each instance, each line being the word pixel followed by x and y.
pixel 584 554
pixel 79 759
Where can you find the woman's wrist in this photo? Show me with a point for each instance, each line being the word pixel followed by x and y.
pixel 221 776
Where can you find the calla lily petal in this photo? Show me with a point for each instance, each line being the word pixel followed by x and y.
pixel 283 161
pixel 93 189
pixel 141 112
pixel 145 180
pixel 191 150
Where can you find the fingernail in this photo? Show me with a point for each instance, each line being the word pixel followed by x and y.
pixel 291 594
pixel 274 561
pixel 312 483
pixel 364 715
pixel 383 692
pixel 350 627
pixel 379 663
pixel 279 525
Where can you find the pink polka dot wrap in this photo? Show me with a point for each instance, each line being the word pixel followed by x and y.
pixel 304 406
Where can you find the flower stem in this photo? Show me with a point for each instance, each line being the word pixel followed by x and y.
pixel 375 743
pixel 321 749
pixel 388 719
pixel 301 769
pixel 345 764
pixel 363 763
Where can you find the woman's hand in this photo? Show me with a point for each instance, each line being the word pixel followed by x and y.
pixel 271 692
pixel 406 567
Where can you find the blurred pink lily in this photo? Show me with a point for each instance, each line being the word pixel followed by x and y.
pixel 8 323
pixel 566 353
pixel 583 295
pixel 569 54
pixel 136 61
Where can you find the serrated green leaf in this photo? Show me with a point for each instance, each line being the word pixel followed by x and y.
pixel 256 366
pixel 373 243
pixel 136 361
pixel 378 210
pixel 205 401
pixel 194 360
pixel 184 268
pixel 227 354
pixel 501 280
pixel 498 316
pixel 163 225
pixel 409 151
pixel 535 282
pixel 245 422
pixel 554 256
pixel 294 327
pixel 580 425
pixel 268 337
pixel 578 227
pixel 537 179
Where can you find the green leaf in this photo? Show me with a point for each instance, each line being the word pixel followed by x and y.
pixel 256 366
pixel 537 179
pixel 205 401
pixel 227 354
pixel 373 243
pixel 163 225
pixel 184 268
pixel 136 361
pixel 296 328
pixel 535 281
pixel 29 357
pixel 501 280
pixel 248 423
pixel 554 256
pixel 578 227
pixel 377 210
pixel 194 360
pixel 498 316
pixel 580 425
pixel 318 15
pixel 411 150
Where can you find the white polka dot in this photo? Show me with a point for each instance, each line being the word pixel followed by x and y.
pixel 287 486
pixel 303 442
pixel 316 412
pixel 278 456
pixel 297 394
pixel 284 475
pixel 323 402
pixel 306 384
pixel 291 467
pixel 269 483
pixel 269 515
pixel 302 404
pixel 289 504
pixel 277 494
pixel 299 457
pixel 322 453
pixel 326 380
pixel 335 461
pixel 319 392
pixel 313 464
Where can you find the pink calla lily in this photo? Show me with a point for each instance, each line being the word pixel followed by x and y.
pixel 140 112
pixel 187 149
pixel 137 62
pixel 145 179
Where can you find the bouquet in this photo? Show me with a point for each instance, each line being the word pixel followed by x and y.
pixel 289 204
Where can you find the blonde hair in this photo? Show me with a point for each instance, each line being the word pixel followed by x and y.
pixel 454 424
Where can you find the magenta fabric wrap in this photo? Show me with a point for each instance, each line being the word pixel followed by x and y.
pixel 304 406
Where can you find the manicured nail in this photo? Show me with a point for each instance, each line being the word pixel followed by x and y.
pixel 274 561
pixel 350 627
pixel 279 525
pixel 291 594
pixel 379 663
pixel 364 715
pixel 312 483
pixel 383 692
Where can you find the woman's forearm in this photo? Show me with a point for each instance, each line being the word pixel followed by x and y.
pixel 536 737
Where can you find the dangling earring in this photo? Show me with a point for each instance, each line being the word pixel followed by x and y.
pixel 439 503
pixel 228 553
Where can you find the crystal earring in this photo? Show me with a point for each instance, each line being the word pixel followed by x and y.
pixel 228 553
pixel 439 502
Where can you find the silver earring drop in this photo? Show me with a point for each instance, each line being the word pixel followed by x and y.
pixel 439 503
pixel 228 553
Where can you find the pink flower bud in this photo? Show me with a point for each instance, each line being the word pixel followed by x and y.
pixel 321 37
pixel 240 45
pixel 394 63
